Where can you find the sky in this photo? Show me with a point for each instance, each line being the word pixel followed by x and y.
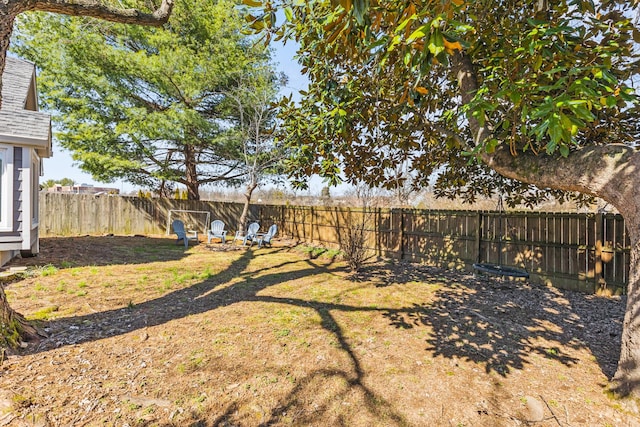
pixel 61 165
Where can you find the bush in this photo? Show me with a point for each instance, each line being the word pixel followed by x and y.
pixel 354 238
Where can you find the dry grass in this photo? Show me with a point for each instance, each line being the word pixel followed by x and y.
pixel 144 333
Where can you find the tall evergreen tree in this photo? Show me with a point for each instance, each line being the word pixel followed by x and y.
pixel 147 105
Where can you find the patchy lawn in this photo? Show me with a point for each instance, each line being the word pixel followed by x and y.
pixel 144 333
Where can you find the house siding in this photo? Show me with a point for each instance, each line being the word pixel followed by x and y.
pixel 11 241
pixel 31 174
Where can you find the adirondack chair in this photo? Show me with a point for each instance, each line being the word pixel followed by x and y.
pixel 265 238
pixel 217 230
pixel 179 230
pixel 252 230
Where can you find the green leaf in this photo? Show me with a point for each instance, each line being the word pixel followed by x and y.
pixel 404 23
pixel 394 42
pixel 288 13
pixel 419 33
pixel 564 150
pixel 360 8
pixel 491 145
pixel 538 63
pixel 436 43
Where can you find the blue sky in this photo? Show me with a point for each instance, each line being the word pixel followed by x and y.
pixel 61 164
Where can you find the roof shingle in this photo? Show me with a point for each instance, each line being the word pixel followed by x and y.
pixel 17 124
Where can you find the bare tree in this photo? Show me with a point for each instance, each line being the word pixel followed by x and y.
pixel 357 225
pixel 261 155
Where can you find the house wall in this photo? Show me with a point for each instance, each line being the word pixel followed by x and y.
pixel 24 231
pixel 18 155
pixel 31 167
pixel 11 240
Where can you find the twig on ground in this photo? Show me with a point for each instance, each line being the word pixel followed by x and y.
pixel 551 410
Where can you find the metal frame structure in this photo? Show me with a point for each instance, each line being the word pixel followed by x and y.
pixel 171 211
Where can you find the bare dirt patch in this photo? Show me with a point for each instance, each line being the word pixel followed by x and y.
pixel 142 332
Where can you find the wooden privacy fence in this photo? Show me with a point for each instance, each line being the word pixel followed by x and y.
pixel 586 252
pixel 78 214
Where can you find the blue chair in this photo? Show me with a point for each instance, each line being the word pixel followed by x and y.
pixel 179 230
pixel 265 238
pixel 252 231
pixel 217 230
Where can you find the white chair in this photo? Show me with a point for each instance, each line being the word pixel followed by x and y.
pixel 252 231
pixel 265 238
pixel 217 230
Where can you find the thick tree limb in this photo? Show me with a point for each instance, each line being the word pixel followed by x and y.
pixel 608 171
pixel 9 9
pixel 468 86
pixel 105 12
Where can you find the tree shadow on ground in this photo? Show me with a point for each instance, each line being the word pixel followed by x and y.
pixel 198 298
pixel 80 251
pixel 500 323
pixel 350 377
pixel 209 295
pixel 495 324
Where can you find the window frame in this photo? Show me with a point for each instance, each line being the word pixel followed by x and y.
pixel 35 189
pixel 6 187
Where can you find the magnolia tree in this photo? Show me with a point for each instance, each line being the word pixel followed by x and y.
pixel 531 99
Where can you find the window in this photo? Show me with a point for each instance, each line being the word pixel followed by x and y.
pixel 6 185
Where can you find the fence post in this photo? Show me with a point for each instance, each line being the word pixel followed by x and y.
pixel 598 276
pixel 479 237
pixel 402 235
pixel 312 212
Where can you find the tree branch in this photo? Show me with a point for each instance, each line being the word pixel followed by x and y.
pixel 108 13
pixel 607 171
pixel 468 86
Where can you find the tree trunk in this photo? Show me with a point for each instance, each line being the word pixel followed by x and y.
pixel 626 380
pixel 242 224
pixel 191 173
pixel 13 326
pixel 8 13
